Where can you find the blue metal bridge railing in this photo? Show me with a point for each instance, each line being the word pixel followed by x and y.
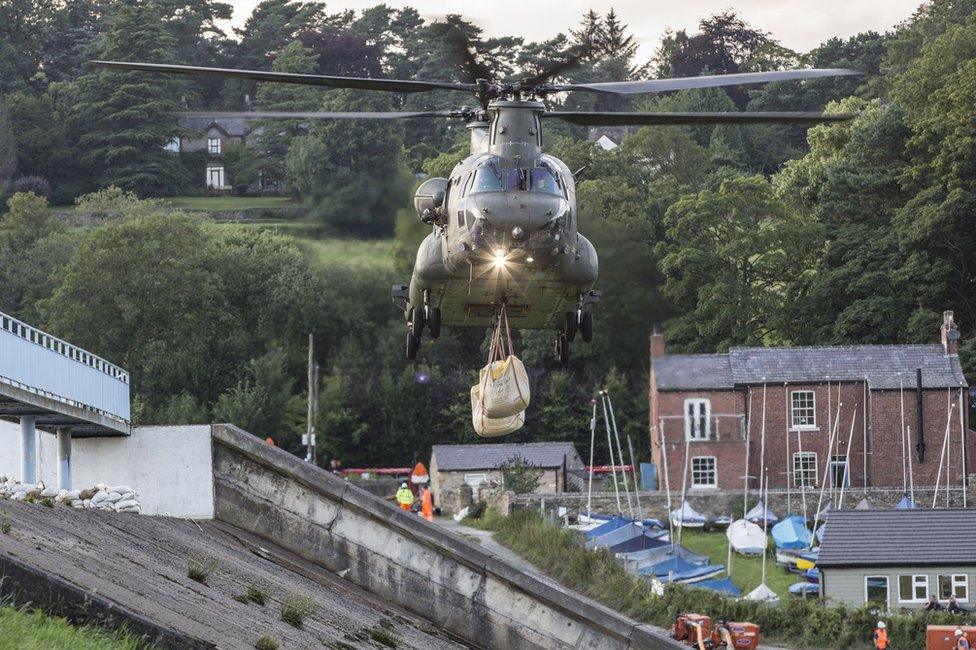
pixel 45 365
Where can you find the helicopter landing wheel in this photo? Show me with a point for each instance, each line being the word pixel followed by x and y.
pixel 434 322
pixel 417 322
pixel 413 344
pixel 569 329
pixel 586 326
pixel 562 350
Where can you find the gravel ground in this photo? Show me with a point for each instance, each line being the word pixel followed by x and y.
pixel 140 562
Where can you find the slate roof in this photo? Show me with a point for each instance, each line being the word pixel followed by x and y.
pixel 876 538
pixel 452 458
pixel 880 364
pixel 232 126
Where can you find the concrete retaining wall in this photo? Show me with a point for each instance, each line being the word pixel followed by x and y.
pixel 170 467
pixel 471 593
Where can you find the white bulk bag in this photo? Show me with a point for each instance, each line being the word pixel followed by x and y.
pixel 491 427
pixel 504 388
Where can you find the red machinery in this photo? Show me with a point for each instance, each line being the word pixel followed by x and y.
pixel 943 637
pixel 697 630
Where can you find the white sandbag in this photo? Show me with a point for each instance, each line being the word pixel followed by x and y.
pixel 504 387
pixel 122 505
pixel 492 427
pixel 126 496
pixel 99 496
pixel 23 487
pixel 112 497
pixel 73 495
pixel 121 489
pixel 133 509
pixel 87 503
pixel 49 493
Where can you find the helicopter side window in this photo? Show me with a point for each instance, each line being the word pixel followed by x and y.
pixel 543 181
pixel 488 179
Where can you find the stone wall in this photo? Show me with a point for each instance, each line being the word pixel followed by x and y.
pixel 471 593
pixel 729 502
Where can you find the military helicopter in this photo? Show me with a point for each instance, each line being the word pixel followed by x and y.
pixel 504 225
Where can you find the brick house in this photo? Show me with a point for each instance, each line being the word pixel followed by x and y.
pixel 706 402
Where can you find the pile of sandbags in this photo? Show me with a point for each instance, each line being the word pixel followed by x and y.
pixel 119 498
pixel 499 399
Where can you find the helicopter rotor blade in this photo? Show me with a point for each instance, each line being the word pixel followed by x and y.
pixel 359 83
pixel 587 118
pixel 324 115
pixel 707 81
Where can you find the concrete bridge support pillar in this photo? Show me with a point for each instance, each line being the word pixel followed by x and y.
pixel 64 458
pixel 28 450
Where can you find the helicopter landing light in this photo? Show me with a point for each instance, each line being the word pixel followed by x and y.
pixel 499 260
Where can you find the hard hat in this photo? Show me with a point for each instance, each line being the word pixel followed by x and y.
pixel 404 484
pixel 958 631
pixel 881 625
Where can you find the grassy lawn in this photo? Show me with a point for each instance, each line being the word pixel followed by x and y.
pixel 218 203
pixel 30 630
pixel 363 253
pixel 746 571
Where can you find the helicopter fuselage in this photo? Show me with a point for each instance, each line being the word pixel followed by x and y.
pixel 505 229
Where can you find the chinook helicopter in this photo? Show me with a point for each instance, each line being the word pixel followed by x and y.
pixel 504 225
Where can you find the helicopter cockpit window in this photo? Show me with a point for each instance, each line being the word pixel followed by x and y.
pixel 543 181
pixel 489 179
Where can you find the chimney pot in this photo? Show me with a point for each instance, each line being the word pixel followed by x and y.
pixel 950 334
pixel 657 342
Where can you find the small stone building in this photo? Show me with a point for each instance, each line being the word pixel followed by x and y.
pixel 898 558
pixel 457 467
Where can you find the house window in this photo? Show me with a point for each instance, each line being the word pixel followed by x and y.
pixel 876 590
pixel 474 480
pixel 913 588
pixel 213 145
pixel 703 473
pixel 215 176
pixel 697 416
pixel 803 412
pixel 839 476
pixel 956 585
pixel 805 469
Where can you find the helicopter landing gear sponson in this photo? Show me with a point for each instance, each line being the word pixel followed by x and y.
pixel 413 344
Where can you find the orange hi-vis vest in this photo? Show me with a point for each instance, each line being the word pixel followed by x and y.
pixel 881 639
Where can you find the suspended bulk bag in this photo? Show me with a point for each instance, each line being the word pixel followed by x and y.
pixel 504 382
pixel 491 427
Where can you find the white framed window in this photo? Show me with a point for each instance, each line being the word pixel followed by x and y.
pixel 474 480
pixel 956 585
pixel 876 590
pixel 213 145
pixel 805 469
pixel 215 176
pixel 703 473
pixel 913 588
pixel 803 409
pixel 839 476
pixel 698 413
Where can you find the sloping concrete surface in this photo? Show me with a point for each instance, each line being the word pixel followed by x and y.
pixel 129 568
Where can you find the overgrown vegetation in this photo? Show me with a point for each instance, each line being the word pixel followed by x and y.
pixel 384 635
pixel 559 553
pixel 267 642
pixel 295 608
pixel 5 525
pixel 257 594
pixel 199 567
pixel 24 628
pixel 520 476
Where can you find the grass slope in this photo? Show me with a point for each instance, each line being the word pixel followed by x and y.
pixel 746 571
pixel 31 630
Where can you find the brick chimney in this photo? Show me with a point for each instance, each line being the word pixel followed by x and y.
pixel 657 342
pixel 950 334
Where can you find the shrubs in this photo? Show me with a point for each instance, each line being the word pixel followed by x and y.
pixel 36 184
pixel 199 568
pixel 267 642
pixel 558 553
pixel 295 607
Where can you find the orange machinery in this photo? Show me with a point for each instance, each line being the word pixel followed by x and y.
pixel 943 637
pixel 697 630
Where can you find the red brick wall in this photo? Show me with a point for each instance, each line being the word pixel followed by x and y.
pixel 876 417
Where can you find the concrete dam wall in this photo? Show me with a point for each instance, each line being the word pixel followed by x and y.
pixel 472 594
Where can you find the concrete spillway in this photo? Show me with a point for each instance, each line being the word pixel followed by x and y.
pixel 297 528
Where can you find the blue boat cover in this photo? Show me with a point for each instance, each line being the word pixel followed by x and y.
pixel 677 570
pixel 820 532
pixel 653 523
pixel 758 512
pixel 630 530
pixel 646 541
pixel 641 559
pixel 723 586
pixel 905 504
pixel 791 533
pixel 608 527
pixel 812 575
pixel 804 589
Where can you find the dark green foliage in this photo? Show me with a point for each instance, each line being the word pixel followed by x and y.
pixel 267 642
pixel 520 476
